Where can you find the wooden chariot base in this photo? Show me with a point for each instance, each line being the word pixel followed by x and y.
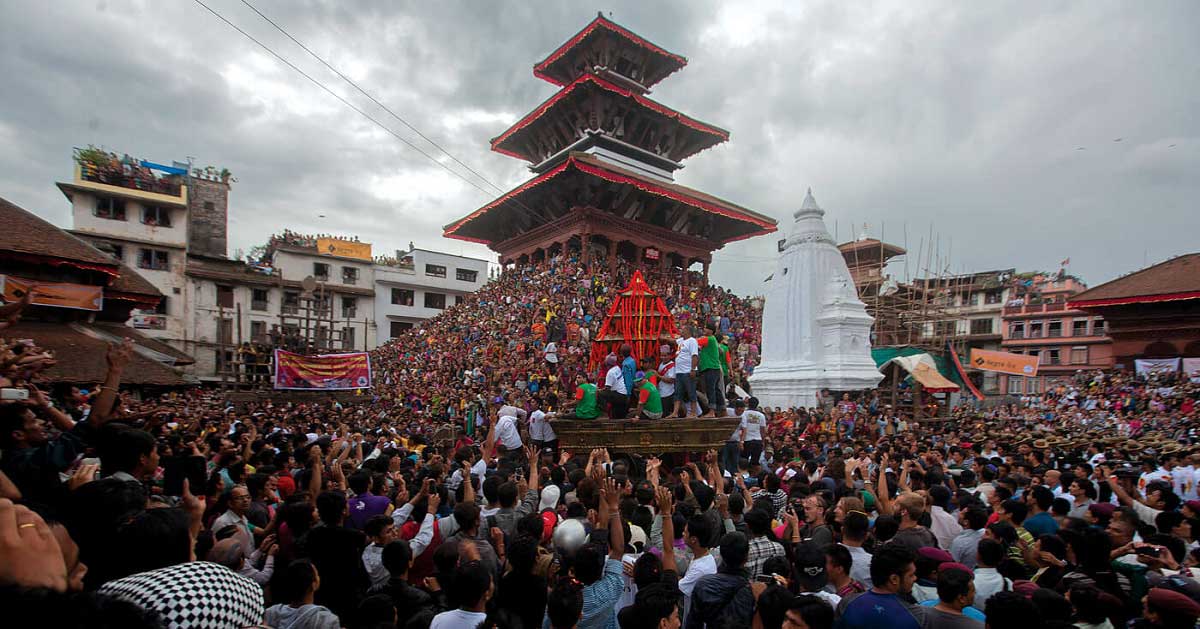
pixel 628 436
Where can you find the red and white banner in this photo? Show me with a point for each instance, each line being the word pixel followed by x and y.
pixel 327 372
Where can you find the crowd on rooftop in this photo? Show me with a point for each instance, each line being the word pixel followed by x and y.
pixel 439 498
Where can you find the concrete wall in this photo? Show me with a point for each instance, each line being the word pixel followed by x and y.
pixel 208 204
pixel 420 282
pixel 84 219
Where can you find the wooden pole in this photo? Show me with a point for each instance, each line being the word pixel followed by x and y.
pixel 240 361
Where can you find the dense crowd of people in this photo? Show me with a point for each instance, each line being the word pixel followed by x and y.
pixel 441 499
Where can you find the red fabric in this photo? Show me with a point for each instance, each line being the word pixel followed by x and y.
pixel 422 565
pixel 578 393
pixel 628 318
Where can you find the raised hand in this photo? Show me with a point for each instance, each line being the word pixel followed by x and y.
pixel 82 476
pixel 563 457
pixel 666 504
pixel 610 494
pixel 435 501
pixel 29 553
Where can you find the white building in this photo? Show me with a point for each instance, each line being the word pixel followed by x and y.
pixel 343 287
pixel 419 284
pixel 150 217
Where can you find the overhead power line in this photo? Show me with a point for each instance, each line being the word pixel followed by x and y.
pixel 369 96
pixel 343 100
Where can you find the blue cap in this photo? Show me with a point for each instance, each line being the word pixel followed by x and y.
pixel 641 375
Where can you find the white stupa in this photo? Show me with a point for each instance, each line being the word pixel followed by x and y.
pixel 816 332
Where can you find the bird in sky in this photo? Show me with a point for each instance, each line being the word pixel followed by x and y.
pixel 1118 139
pixel 1080 148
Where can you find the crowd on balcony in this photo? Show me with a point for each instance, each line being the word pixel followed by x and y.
pixel 400 508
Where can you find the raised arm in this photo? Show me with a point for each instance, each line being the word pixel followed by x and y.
pixel 884 500
pixel 468 484
pixel 118 357
pixel 666 508
pixel 314 483
pixel 41 403
pixel 611 497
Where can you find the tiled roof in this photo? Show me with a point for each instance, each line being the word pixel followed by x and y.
pixel 81 358
pixel 120 329
pixel 130 281
pixel 24 232
pixel 1175 278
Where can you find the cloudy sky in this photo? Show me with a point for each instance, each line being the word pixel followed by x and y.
pixel 993 125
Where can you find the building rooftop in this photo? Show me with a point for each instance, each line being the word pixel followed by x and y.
pixel 24 232
pixel 81 351
pixel 588 88
pixel 1175 279
pixel 740 222
pixel 563 65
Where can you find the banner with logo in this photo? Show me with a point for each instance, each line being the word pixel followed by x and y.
pixel 344 248
pixel 1191 367
pixel 1004 362
pixel 57 294
pixel 328 372
pixel 1156 365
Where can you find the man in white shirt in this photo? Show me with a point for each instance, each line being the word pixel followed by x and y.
pixel 551 352
pixel 749 432
pixel 698 530
pixel 666 379
pixel 615 394
pixel 239 506
pixel 687 363
pixel 507 433
pixel 541 433
pixel 944 525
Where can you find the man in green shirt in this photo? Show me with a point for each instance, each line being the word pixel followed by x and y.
pixel 710 370
pixel 649 401
pixel 585 404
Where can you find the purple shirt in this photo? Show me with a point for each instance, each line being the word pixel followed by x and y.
pixel 363 507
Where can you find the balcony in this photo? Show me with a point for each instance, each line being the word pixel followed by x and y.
pixel 99 171
pixel 258 304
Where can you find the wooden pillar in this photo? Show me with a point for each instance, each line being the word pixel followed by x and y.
pixel 584 242
pixel 706 263
pixel 612 256
pixel 918 403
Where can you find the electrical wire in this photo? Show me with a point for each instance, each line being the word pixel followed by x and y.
pixel 340 98
pixel 370 97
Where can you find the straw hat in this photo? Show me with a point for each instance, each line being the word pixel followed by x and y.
pixel 1041 444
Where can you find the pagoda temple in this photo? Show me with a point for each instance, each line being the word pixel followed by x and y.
pixel 603 157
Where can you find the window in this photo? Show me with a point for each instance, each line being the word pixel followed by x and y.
pixel 1035 329
pixel 1097 327
pixel 1079 355
pixel 349 275
pixel 946 328
pixel 1079 327
pixel 1017 331
pixel 112 209
pixel 981 326
pixel 968 299
pixel 347 338
pixel 436 301
pixel 1034 386
pixel 435 270
pixel 349 307
pixel 321 271
pixel 1036 353
pixel 402 297
pixel 225 331
pixel 291 303
pixel 225 296
pixel 161 308
pixel 1054 329
pixel 156 216
pixel 1015 385
pixel 466 275
pixel 258 331
pixel 992 297
pixel 154 259
pixel 458 299
pixel 258 299
pixel 1051 357
pixel 398 327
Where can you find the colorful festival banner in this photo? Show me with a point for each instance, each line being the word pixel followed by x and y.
pixel 57 294
pixel 329 372
pixel 1004 362
pixel 344 248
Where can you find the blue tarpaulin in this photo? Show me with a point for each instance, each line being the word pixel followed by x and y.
pixel 170 170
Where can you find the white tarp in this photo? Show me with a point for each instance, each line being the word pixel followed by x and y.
pixel 1156 365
